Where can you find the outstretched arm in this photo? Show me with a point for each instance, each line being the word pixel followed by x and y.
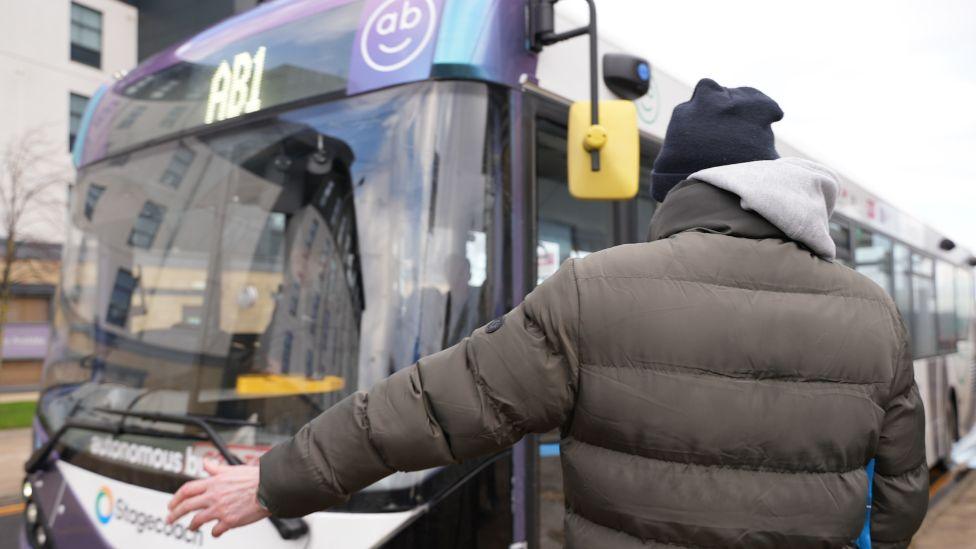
pixel 516 375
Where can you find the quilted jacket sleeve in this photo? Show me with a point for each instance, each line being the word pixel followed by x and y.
pixel 901 481
pixel 475 398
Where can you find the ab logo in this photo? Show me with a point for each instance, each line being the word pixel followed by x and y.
pixel 397 32
pixel 389 23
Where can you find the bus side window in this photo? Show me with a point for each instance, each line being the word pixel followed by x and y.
pixel 964 304
pixel 945 294
pixel 924 337
pixel 646 205
pixel 841 233
pixel 873 257
pixel 567 227
pixel 901 260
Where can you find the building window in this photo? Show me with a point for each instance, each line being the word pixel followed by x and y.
pixel 179 164
pixel 286 353
pixel 269 247
pixel 86 35
pixel 172 117
pixel 296 291
pixel 313 230
pixel 131 117
pixel 121 299
pixel 76 109
pixel 147 225
pixel 91 200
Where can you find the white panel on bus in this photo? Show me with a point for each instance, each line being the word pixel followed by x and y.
pixel 133 516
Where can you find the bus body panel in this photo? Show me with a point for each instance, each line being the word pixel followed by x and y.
pixel 126 515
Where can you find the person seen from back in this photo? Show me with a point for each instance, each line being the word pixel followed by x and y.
pixel 725 384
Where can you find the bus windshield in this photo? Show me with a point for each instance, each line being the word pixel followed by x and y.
pixel 264 272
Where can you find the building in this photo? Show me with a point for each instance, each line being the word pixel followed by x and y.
pixel 163 23
pixel 27 330
pixel 54 54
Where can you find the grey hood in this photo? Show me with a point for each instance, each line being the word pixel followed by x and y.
pixel 794 194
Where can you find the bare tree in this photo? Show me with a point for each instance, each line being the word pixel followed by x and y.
pixel 33 192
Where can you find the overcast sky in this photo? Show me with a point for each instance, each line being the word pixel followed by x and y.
pixel 884 91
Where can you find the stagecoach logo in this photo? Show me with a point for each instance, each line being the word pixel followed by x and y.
pixel 104 505
pixel 396 33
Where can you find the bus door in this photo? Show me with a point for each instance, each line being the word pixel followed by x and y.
pixel 567 228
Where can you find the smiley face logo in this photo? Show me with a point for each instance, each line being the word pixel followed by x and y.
pixel 104 505
pixel 649 106
pixel 397 32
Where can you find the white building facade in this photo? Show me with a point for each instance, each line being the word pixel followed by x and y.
pixel 54 54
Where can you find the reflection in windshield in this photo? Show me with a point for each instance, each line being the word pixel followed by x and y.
pixel 304 58
pixel 264 273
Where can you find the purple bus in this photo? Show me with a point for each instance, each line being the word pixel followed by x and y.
pixel 287 208
pixel 269 216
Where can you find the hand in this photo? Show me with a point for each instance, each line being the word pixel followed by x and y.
pixel 229 496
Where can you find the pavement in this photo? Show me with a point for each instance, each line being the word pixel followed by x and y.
pixel 19 397
pixel 14 448
pixel 10 525
pixel 949 522
pixel 551 504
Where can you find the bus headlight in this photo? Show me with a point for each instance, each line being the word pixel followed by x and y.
pixel 31 514
pixel 27 490
pixel 40 536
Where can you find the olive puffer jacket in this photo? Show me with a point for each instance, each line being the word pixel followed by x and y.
pixel 720 386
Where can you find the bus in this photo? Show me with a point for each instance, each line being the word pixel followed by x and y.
pixel 308 197
pixel 930 279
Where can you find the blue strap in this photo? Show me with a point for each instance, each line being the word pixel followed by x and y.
pixel 549 450
pixel 864 540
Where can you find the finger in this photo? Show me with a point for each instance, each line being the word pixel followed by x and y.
pixel 202 518
pixel 213 467
pixel 188 490
pixel 187 505
pixel 221 527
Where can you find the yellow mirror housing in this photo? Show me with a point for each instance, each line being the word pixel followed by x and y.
pixel 617 141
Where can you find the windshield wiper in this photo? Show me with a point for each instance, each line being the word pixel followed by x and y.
pixel 287 528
